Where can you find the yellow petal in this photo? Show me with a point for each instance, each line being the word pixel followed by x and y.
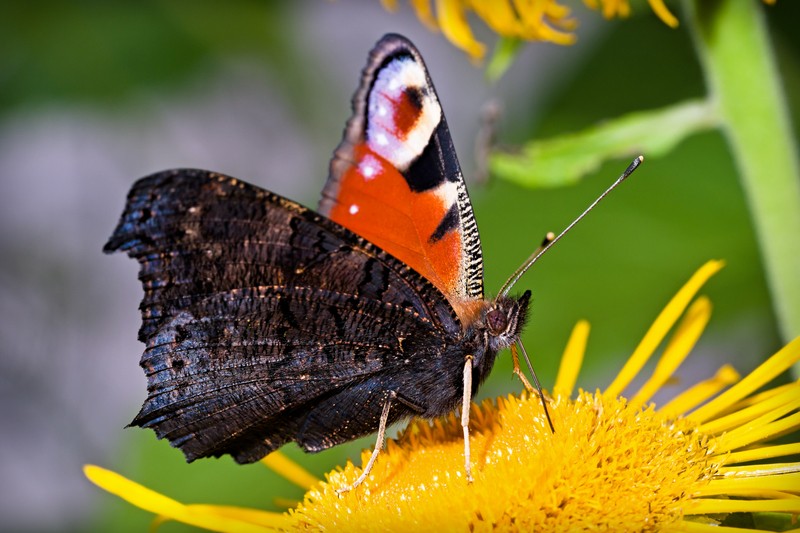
pixel 423 10
pixel 681 343
pixel 558 15
pixel 251 516
pixel 772 367
pixel 761 397
pixel 498 15
pixel 572 359
pixel 614 8
pixel 533 16
pixel 783 483
pixel 711 506
pixel 789 472
pixel 290 470
pixel 453 23
pixel 156 503
pixel 686 526
pixel 764 452
pixel 760 429
pixel 665 320
pixel 663 13
pixel 700 392
pixel 742 416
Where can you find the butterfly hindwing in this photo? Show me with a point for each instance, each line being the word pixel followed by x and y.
pixel 263 320
pixel 395 179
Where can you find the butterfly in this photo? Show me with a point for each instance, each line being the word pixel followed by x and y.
pixel 266 322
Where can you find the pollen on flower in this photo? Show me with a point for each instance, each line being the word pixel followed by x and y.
pixel 608 463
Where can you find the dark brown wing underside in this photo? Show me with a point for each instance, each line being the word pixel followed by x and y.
pixel 260 316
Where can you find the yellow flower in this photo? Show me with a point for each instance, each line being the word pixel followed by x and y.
pixel 531 20
pixel 621 8
pixel 613 463
pixel 527 20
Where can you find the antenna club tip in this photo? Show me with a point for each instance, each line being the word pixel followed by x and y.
pixel 548 238
pixel 633 166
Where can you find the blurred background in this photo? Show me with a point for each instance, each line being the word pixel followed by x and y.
pixel 94 95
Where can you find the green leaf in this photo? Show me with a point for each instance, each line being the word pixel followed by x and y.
pixel 566 159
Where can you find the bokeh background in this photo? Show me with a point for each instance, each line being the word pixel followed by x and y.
pixel 94 95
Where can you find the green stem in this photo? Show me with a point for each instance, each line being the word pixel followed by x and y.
pixel 743 83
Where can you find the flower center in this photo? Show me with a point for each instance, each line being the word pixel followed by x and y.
pixel 608 464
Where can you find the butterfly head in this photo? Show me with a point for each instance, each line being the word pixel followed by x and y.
pixel 504 320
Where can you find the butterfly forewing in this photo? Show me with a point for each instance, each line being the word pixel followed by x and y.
pixel 395 179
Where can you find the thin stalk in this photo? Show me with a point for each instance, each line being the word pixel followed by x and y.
pixel 743 83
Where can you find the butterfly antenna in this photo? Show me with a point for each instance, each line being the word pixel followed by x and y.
pixel 548 242
pixel 538 385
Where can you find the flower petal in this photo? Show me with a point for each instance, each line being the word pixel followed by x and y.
pixel 787 471
pixel 498 15
pixel 742 416
pixel 156 503
pixel 683 340
pixel 423 10
pixel 665 320
pixel 711 506
pixel 764 452
pixel 769 369
pixel 251 516
pixel 761 429
pixel 572 360
pixel 290 470
pixel 663 13
pixel 453 23
pixel 686 526
pixel 697 394
pixel 761 396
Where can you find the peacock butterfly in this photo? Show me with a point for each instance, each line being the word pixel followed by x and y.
pixel 266 323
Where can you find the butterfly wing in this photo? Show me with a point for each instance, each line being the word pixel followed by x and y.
pixel 395 179
pixel 257 312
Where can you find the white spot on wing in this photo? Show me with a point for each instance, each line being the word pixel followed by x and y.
pixel 448 192
pixel 353 209
pixel 369 167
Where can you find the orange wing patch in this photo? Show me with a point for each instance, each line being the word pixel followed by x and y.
pixel 376 202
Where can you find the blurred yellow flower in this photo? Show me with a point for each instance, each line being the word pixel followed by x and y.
pixel 536 20
pixel 527 20
pixel 613 463
pixel 531 20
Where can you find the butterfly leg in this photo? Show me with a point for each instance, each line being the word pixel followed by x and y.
pixel 465 404
pixel 378 445
pixel 518 371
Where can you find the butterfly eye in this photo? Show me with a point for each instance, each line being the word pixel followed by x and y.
pixel 497 321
